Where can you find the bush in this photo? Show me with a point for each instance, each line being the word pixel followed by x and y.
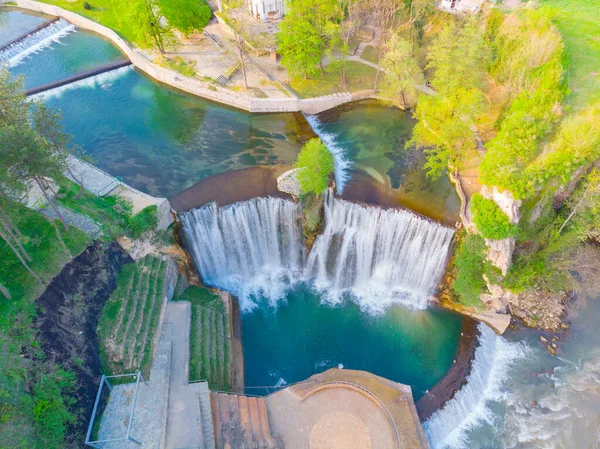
pixel 490 220
pixel 53 398
pixel 142 222
pixel 470 267
pixel 315 164
pixel 87 6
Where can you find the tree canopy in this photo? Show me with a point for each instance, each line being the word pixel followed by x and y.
pixel 304 35
pixel 402 72
pixel 186 15
pixel 315 164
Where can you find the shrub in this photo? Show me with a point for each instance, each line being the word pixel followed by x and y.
pixel 142 222
pixel 315 164
pixel 52 400
pixel 490 220
pixel 470 267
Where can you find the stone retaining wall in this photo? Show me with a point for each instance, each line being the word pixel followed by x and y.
pixel 191 85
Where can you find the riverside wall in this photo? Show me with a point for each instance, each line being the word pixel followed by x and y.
pixel 195 86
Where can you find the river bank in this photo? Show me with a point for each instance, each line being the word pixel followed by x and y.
pixel 213 92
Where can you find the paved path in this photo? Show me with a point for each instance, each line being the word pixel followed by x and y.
pixel 186 427
pixel 83 222
pixel 148 424
pixel 94 180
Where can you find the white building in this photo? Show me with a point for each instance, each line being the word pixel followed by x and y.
pixel 461 5
pixel 267 9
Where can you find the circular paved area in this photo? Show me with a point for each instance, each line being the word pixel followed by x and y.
pixel 339 430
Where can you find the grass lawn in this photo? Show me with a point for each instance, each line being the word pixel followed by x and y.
pixel 370 54
pixel 102 12
pixel 359 77
pixel 579 23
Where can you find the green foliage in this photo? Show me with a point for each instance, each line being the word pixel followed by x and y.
pixel 53 397
pixel 144 19
pixel 304 34
pixel 186 15
pixel 490 220
pixel 112 213
pixel 130 318
pixel 142 222
pixel 528 60
pixel 446 121
pixel 470 267
pixel 576 145
pixel 550 258
pixel 401 73
pixel 203 296
pixel 315 164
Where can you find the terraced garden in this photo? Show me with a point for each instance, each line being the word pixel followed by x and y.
pixel 210 339
pixel 130 318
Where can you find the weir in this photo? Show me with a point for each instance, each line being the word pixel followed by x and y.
pixel 26 35
pixel 41 37
pixel 342 164
pixel 103 79
pixel 247 248
pixel 447 427
pixel 379 257
pixel 79 77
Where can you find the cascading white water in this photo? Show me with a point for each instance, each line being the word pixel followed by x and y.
pixel 379 256
pixel 33 43
pixel 342 164
pixel 448 427
pixel 104 80
pixel 247 248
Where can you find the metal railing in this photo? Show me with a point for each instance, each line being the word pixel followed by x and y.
pixel 127 437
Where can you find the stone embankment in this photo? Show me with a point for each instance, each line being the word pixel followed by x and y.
pixel 195 86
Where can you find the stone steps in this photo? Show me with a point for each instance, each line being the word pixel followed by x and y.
pixel 241 422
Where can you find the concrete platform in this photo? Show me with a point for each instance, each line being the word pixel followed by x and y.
pixel 339 409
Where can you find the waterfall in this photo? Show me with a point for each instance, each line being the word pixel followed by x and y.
pixel 448 427
pixel 380 257
pixel 34 42
pixel 104 80
pixel 249 248
pixel 342 164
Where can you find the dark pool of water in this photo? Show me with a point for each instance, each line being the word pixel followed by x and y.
pixel 302 337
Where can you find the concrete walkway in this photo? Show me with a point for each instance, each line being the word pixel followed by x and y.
pixel 83 222
pixel 187 426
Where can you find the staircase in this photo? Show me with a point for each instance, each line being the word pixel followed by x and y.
pixel 205 418
pixel 241 422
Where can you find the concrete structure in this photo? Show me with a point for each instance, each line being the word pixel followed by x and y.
pixel 337 409
pixel 461 5
pixel 266 9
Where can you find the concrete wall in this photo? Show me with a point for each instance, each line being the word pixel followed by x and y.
pixel 191 85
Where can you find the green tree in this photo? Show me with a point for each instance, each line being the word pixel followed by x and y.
pixel 402 72
pixel 143 16
pixel 446 122
pixel 186 15
pixel 305 34
pixel 315 166
pixel 470 267
pixel 490 220
pixel 30 152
